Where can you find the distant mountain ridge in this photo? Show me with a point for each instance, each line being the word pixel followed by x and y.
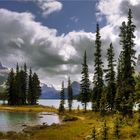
pixel 52 93
pixel 49 92
pixel 2 67
pixel 3 73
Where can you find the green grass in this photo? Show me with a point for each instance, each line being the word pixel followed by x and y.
pixel 28 108
pixel 81 129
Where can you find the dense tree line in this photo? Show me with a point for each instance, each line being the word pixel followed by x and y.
pixel 115 89
pixel 112 92
pixel 22 88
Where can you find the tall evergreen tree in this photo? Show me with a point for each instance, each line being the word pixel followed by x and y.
pixel 85 91
pixel 119 90
pixel 117 129
pixel 110 78
pixel 36 89
pixel 24 84
pixel 18 92
pixel 30 88
pixel 103 102
pixel 62 98
pixel 128 52
pixel 98 72
pixel 137 96
pixel 11 88
pixel 70 94
pixel 105 132
pixel 93 136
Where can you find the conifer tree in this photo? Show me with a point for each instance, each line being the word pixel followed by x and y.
pixel 103 102
pixel 93 137
pixel 128 52
pixel 105 131
pixel 110 78
pixel 30 88
pixel 85 91
pixel 62 98
pixel 98 72
pixel 119 90
pixel 11 88
pixel 117 129
pixel 24 84
pixel 137 96
pixel 18 92
pixel 36 89
pixel 70 94
pixel 21 80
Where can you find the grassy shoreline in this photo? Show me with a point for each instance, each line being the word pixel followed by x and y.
pixel 28 108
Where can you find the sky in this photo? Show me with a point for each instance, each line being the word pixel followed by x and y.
pixel 51 36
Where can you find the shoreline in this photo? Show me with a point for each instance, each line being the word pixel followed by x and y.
pixel 28 108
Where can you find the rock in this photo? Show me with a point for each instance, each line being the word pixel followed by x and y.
pixel 30 129
pixel 24 125
pixel 69 118
pixel 40 117
pixel 47 113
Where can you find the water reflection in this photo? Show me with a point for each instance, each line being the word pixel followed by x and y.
pixel 14 121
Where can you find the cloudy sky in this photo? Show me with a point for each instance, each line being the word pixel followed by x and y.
pixel 51 36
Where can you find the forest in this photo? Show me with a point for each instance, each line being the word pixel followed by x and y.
pixel 22 88
pixel 116 88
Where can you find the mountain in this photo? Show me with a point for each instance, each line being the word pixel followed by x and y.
pixel 52 93
pixel 3 73
pixel 49 92
pixel 2 67
pixel 75 87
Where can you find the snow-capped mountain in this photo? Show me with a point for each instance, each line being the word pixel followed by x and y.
pixel 51 93
pixel 3 73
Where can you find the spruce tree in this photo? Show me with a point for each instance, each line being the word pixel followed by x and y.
pixel 119 90
pixel 117 129
pixel 128 52
pixel 24 84
pixel 18 92
pixel 70 94
pixel 98 72
pixel 93 136
pixel 110 78
pixel 36 89
pixel 30 88
pixel 11 88
pixel 105 132
pixel 103 102
pixel 21 80
pixel 137 96
pixel 62 99
pixel 85 91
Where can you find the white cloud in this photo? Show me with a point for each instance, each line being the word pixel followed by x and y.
pixel 49 6
pixel 54 57
pixel 22 39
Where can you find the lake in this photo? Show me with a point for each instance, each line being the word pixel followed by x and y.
pixel 14 121
pixel 55 103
